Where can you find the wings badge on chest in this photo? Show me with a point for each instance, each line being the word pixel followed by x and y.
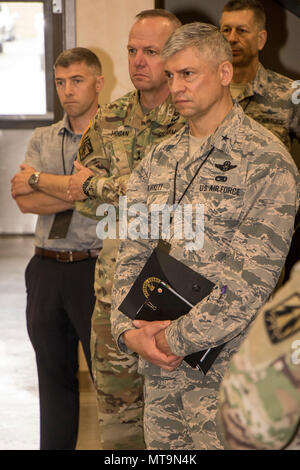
pixel 226 166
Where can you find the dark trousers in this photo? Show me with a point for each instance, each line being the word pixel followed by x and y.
pixel 60 303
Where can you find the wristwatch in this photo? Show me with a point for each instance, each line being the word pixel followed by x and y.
pixel 85 186
pixel 34 179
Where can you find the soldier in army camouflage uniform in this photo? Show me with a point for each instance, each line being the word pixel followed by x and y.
pixel 248 184
pixel 260 395
pixel 264 95
pixel 113 145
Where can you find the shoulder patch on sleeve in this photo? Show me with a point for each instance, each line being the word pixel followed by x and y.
pixel 86 147
pixel 283 320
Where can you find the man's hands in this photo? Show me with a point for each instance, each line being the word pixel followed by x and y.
pixel 19 183
pixel 150 342
pixel 65 187
pixel 76 181
pixel 73 192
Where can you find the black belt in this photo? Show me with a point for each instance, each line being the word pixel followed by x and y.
pixel 66 256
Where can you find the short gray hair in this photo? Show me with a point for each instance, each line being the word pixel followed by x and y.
pixel 206 38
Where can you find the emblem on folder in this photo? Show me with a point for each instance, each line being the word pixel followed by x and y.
pixel 149 285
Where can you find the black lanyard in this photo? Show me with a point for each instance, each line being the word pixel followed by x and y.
pixel 192 180
pixel 247 104
pixel 164 244
pixel 63 154
pixel 63 151
pixel 62 220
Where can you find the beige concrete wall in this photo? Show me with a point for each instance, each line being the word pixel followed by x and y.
pixel 103 26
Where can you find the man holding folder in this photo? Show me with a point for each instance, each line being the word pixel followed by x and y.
pixel 247 183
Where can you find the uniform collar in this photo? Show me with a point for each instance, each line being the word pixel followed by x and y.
pixel 64 126
pixel 257 86
pixel 260 80
pixel 160 115
pixel 225 136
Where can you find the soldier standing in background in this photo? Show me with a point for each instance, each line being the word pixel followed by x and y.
pixel 260 394
pixel 264 95
pixel 59 277
pixel 115 143
pixel 248 224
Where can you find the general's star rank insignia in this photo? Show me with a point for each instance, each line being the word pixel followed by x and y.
pixel 226 166
pixel 283 320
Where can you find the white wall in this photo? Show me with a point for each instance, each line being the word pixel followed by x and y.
pixel 103 27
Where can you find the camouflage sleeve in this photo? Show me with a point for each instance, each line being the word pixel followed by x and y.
pixel 249 267
pixel 107 184
pixel 259 402
pixel 104 190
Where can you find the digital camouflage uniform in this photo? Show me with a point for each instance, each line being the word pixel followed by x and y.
pixel 268 100
pixel 260 395
pixel 248 186
pixel 113 145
